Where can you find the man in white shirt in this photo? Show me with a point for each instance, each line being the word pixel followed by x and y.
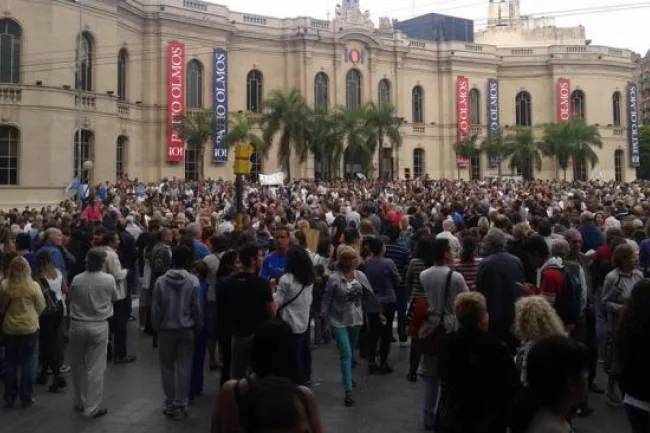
pixel 448 229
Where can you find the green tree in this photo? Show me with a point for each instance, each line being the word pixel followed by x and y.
pixel 381 123
pixel 196 128
pixel 286 114
pixel 557 144
pixel 326 134
pixel 643 171
pixel 356 135
pixel 494 147
pixel 467 149
pixel 524 152
pixel 240 130
pixel 582 140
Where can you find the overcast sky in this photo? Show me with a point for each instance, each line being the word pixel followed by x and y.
pixel 623 29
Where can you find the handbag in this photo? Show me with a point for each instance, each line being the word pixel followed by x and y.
pixel 433 328
pixel 286 304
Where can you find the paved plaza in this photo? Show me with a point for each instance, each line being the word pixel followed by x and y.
pixel 133 396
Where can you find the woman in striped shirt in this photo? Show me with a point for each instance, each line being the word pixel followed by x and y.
pixel 468 263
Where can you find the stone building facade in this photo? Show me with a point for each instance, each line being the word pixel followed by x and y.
pixel 88 80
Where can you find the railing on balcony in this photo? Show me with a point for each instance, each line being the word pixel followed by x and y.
pixel 85 101
pixel 254 19
pixel 123 108
pixel 522 52
pixel 618 131
pixel 417 44
pixel 474 47
pixel 419 129
pixel 195 4
pixel 476 129
pixel 10 94
pixel 319 24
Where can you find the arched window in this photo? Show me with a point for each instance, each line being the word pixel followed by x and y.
pixel 616 108
pixel 83 152
pixel 122 58
pixel 321 92
pixel 418 163
pixel 418 104
pixel 475 101
pixel 579 169
pixel 475 166
pixel 84 62
pixel 192 163
pixel 10 37
pixel 384 93
pixel 194 85
pixel 524 115
pixel 120 156
pixel 578 104
pixel 254 89
pixel 353 89
pixel 618 165
pixel 9 145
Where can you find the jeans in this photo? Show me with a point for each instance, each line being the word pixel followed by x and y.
pixel 21 357
pixel 639 419
pixel 240 358
pixel 601 325
pixel 118 324
pixel 382 333
pixel 414 356
pixel 225 350
pixel 401 306
pixel 175 353
pixel 431 390
pixel 346 340
pixel 198 364
pixel 51 337
pixel 302 352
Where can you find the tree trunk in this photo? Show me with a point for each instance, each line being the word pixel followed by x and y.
pixel 239 196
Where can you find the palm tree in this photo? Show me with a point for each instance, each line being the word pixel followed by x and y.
pixel 356 135
pixel 466 149
pixel 286 114
pixel 381 123
pixel 240 130
pixel 494 147
pixel 326 134
pixel 524 152
pixel 556 144
pixel 582 139
pixel 196 128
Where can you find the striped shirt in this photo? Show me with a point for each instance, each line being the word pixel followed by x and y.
pixel 413 284
pixel 400 256
pixel 469 271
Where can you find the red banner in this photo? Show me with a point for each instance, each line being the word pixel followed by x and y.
pixel 175 100
pixel 463 113
pixel 563 95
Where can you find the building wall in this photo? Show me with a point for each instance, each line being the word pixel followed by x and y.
pixel 289 53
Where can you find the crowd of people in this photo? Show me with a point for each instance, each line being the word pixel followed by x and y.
pixel 511 297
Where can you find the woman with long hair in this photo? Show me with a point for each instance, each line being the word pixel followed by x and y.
pixel 418 304
pixel 22 299
pixel 51 336
pixel 271 359
pixel 535 319
pixel 293 300
pixel 558 371
pixel 632 339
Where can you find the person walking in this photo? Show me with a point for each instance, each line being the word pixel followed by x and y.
pixel 384 279
pixel 176 315
pixel 634 354
pixel 92 294
pixel 343 304
pixel 441 284
pixel 51 336
pixel 118 323
pixel 22 300
pixel 293 299
pixel 245 302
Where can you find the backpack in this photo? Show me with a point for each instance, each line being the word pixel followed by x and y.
pixel 569 303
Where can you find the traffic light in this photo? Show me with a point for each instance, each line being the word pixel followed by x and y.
pixel 243 153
